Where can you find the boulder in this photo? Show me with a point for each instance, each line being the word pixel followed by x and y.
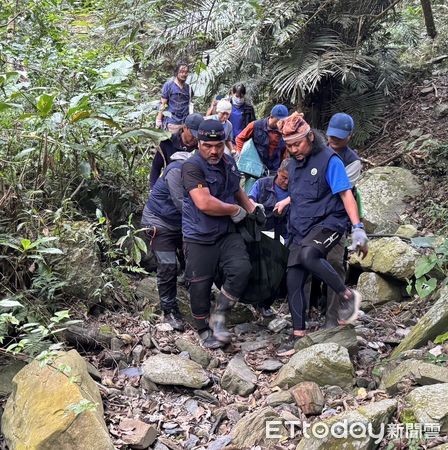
pixel 7 373
pixel 429 404
pixel 238 378
pixel 308 397
pixel 45 410
pixel 388 256
pixel 251 430
pixel 146 290
pixel 345 336
pixel 80 266
pixel 174 370
pixel 417 372
pixel 377 290
pixel 197 354
pixel 428 327
pixel 375 415
pixel 383 191
pixel 325 364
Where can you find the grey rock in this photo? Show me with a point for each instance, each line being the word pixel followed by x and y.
pixel 131 391
pixel 7 373
pixel 325 364
pixel 148 385
pixel 384 190
pixel 251 430
pixel 173 370
pixel 408 231
pixel 146 290
pixel 220 443
pixel 93 371
pixel 440 110
pixel 429 404
pixel 417 372
pixel 116 344
pixel 252 346
pixel 146 341
pixel 112 359
pixel 160 446
pixel 244 328
pixel 428 327
pixel 377 290
pixel 191 406
pixel 373 414
pixel 278 324
pixel 278 398
pixel 137 353
pixel 344 336
pixel 238 378
pixel 197 353
pixel 270 365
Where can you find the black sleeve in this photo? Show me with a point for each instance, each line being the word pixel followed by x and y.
pixel 192 177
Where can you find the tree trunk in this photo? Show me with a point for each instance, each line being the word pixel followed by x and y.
pixel 429 18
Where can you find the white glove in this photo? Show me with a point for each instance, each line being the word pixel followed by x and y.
pixel 239 216
pixel 158 123
pixel 359 241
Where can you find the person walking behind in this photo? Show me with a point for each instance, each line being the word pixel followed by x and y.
pixel 321 207
pixel 176 98
pixel 223 110
pixel 243 112
pixel 266 138
pixel 339 132
pixel 163 216
pixel 185 140
pixel 213 203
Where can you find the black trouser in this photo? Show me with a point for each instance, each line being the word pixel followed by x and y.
pixel 165 243
pixel 309 258
pixel 228 258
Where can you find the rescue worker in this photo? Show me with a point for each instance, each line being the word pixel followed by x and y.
pixel 163 216
pixel 213 204
pixel 321 207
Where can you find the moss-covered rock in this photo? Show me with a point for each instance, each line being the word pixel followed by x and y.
pixel 433 323
pixel 388 256
pixel 238 378
pixel 377 290
pixel 373 415
pixel 417 372
pixel 39 413
pixel 383 191
pixel 344 336
pixel 325 364
pixel 429 404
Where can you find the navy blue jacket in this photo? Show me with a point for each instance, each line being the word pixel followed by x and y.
pixel 160 202
pixel 224 185
pixel 261 141
pixel 312 202
pixel 348 156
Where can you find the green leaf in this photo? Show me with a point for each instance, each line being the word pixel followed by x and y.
pixel 141 244
pixel 24 153
pixel 424 287
pixel 424 265
pixel 8 303
pixel 8 105
pixel 45 103
pixel 25 243
pixel 441 338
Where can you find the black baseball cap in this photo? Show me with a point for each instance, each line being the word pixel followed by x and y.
pixel 192 122
pixel 211 130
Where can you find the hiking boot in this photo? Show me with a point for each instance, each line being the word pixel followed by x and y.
pixel 175 319
pixel 217 320
pixel 349 308
pixel 209 341
pixel 266 311
pixel 286 348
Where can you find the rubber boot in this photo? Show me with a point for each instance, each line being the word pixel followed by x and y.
pixel 218 318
